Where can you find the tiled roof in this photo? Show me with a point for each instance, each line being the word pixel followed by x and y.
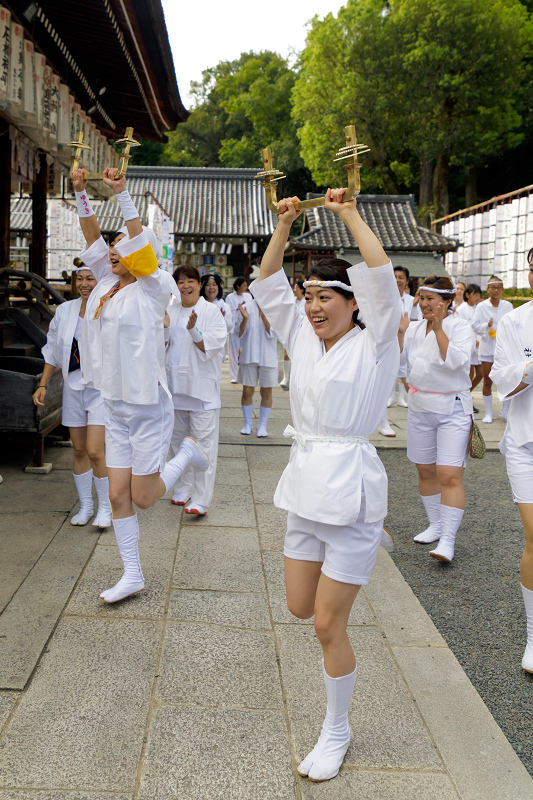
pixel 392 218
pixel 202 202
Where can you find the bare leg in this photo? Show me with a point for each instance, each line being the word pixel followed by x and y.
pixel 526 565
pixel 95 449
pixel 78 437
pixel 451 486
pixel 428 480
pixel 333 604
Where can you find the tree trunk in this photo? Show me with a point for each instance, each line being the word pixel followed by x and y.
pixel 441 201
pixel 471 187
pixel 426 191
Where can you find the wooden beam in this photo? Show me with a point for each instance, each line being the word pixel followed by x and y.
pixel 38 238
pixel 5 193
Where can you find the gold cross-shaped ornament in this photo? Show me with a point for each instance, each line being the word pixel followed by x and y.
pixel 77 146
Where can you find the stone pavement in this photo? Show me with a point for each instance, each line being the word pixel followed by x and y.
pixel 204 687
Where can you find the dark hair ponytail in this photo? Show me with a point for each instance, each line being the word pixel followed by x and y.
pixel 335 269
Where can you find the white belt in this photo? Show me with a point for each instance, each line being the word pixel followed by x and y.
pixel 301 439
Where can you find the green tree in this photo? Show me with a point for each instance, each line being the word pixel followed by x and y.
pixel 240 107
pixel 429 84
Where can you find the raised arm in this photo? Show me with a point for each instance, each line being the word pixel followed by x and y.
pixel 89 223
pixel 368 243
pixel 129 212
pixel 272 261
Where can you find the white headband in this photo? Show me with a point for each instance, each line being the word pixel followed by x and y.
pixel 438 291
pixel 329 284
pixel 495 280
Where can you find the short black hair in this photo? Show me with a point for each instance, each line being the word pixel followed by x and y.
pixel 238 282
pixel 218 281
pixel 402 269
pixel 112 236
pixel 187 271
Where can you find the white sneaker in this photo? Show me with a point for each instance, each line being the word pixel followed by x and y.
pixel 386 430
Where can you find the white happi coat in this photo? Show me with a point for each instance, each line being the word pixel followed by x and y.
pixel 123 352
pixel 258 346
pixel 514 349
pixel 61 332
pixel 485 311
pixel 438 382
pixel 341 393
pixel 228 314
pixel 467 312
pixel 191 372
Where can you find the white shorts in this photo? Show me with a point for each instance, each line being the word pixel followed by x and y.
pixel 137 437
pixel 252 374
pixel 347 552
pixel 519 462
pixel 440 439
pixel 486 359
pixel 82 407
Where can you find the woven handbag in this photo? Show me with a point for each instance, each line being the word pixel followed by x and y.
pixel 476 443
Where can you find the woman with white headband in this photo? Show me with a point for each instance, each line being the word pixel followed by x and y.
pixel 335 486
pixel 437 351
pixel 123 355
pixel 512 372
pixel 83 408
pixel 485 323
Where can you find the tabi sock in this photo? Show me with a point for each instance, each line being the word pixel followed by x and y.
pixel 84 487
pixel 450 519
pixel 190 454
pixel 127 536
pixel 247 412
pixel 325 759
pixel 432 533
pixel 527 660
pixel 264 414
pixel 286 373
pixel 488 408
pixel 103 515
pixel 402 401
pixel 392 397
pixel 385 429
pixel 195 508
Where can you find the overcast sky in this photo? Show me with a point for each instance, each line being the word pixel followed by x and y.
pixel 204 32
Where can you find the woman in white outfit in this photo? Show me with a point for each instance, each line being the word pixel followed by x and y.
pixel 258 363
pixel 437 352
pixel 123 355
pixel 213 291
pixel 485 323
pixel 197 335
pixel 466 310
pixel 83 408
pixel 335 486
pixel 512 372
pixel 238 295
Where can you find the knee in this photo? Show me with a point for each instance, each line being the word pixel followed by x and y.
pixel 96 454
pixel 299 609
pixel 141 500
pixel 450 480
pixel 324 628
pixel 117 498
pixel 79 452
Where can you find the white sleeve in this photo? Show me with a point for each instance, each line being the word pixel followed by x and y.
pixel 214 336
pixel 96 257
pixel 49 350
pixel 480 326
pixel 278 303
pixel 376 292
pixel 228 319
pixel 460 345
pixel 507 373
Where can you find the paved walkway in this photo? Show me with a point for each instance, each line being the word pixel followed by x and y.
pixel 204 687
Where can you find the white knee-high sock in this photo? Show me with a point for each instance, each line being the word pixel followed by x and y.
pixel 385 428
pixel 286 373
pixel 527 660
pixel 488 408
pixel 190 454
pixel 127 536
pixel 432 533
pixel 247 412
pixel 401 393
pixel 325 760
pixel 264 414
pixel 103 515
pixel 392 396
pixel 84 487
pixel 450 519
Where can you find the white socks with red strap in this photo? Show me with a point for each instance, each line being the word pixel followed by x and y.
pixel 84 486
pixel 527 660
pixel 450 520
pixel 326 757
pixel 247 412
pixel 103 515
pixel 127 536
pixel 432 533
pixel 264 414
pixel 190 454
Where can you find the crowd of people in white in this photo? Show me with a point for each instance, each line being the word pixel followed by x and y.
pixel 141 354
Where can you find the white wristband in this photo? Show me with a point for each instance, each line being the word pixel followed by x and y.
pixel 127 206
pixel 83 204
pixel 196 335
pixel 528 373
